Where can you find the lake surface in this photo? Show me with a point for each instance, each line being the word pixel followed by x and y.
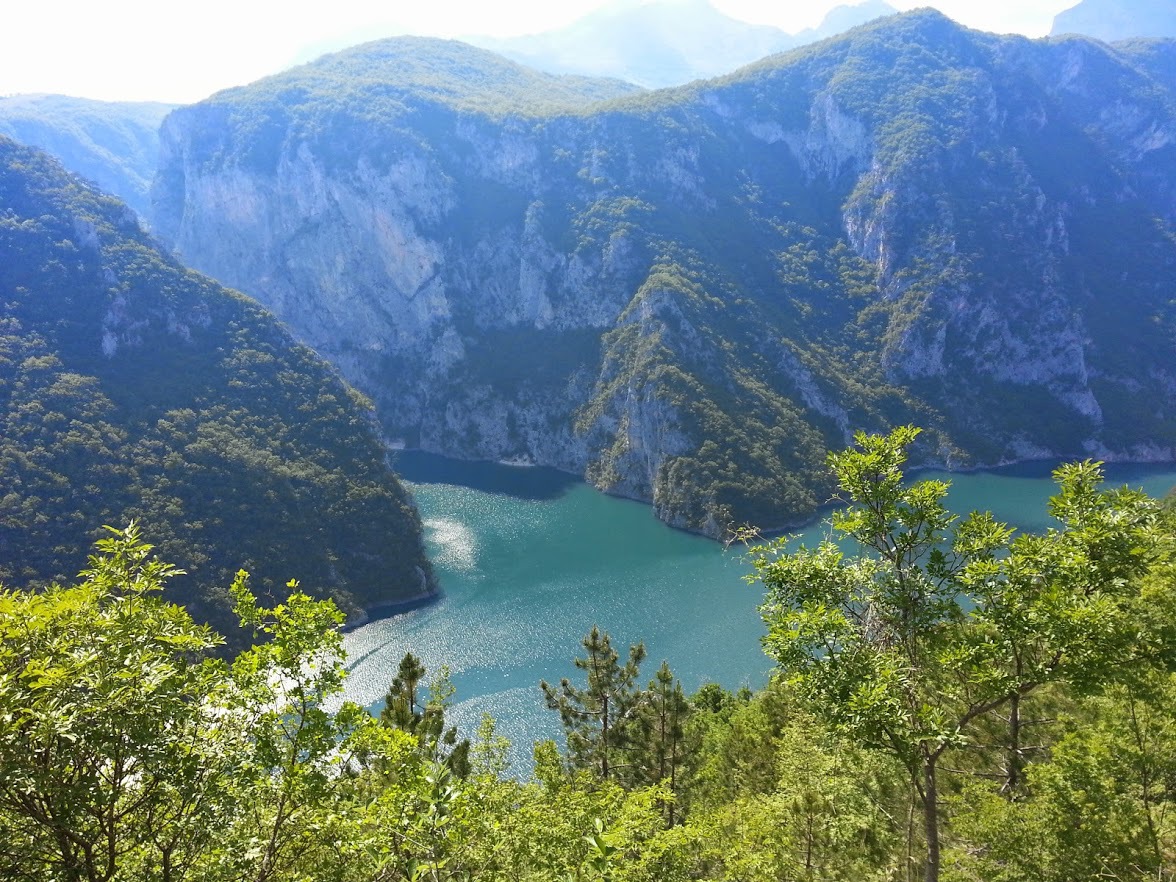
pixel 530 559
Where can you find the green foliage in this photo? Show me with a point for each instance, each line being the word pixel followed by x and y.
pixel 132 388
pixel 679 360
pixel 428 723
pixel 366 98
pixel 600 719
pixel 1100 807
pixel 105 730
pixel 944 621
pixel 617 731
pixel 128 753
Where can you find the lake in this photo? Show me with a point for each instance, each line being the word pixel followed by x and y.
pixel 530 559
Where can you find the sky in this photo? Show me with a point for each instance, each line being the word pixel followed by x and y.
pixel 180 51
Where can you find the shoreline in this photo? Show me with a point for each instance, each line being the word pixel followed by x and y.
pixel 377 612
pixel 1044 464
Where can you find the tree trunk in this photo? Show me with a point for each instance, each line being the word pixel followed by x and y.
pixel 931 818
pixel 1013 763
pixel 604 738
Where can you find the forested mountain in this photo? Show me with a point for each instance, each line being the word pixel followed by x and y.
pixel 115 144
pixel 1118 19
pixel 133 388
pixel 689 295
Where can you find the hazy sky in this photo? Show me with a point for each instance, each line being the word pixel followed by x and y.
pixel 171 50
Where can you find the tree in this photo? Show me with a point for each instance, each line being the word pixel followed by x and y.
pixel 110 759
pixel 661 733
pixel 400 704
pixel 428 723
pixel 297 757
pixel 127 752
pixel 1099 807
pixel 600 719
pixel 939 621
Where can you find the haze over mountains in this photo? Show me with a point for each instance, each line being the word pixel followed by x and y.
pixel 667 43
pixel 689 295
pixel 1112 20
pixel 115 144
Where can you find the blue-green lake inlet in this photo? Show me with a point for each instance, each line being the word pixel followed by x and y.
pixel 530 559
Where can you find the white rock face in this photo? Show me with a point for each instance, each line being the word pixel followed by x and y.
pixel 833 143
pixel 364 264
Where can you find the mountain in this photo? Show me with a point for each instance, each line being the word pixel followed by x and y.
pixel 113 144
pixel 1118 19
pixel 689 295
pixel 133 388
pixel 841 18
pixel 665 43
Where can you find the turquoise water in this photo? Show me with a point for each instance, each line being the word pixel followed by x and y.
pixel 530 559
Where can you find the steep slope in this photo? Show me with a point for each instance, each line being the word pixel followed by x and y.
pixel 131 387
pixel 1118 19
pixel 113 144
pixel 689 295
pixel 666 43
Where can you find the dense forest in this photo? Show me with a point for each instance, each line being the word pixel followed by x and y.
pixel 952 701
pixel 131 387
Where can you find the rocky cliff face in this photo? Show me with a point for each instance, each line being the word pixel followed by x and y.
pixel 688 296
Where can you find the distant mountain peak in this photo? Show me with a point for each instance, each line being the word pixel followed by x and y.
pixel 657 43
pixel 842 18
pixel 446 71
pixel 1112 20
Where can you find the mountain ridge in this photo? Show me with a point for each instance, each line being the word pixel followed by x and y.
pixel 1114 20
pixel 113 143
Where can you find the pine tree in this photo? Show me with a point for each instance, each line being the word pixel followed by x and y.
pixel 400 703
pixel 600 720
pixel 662 721
pixel 403 709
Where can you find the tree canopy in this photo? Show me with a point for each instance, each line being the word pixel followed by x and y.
pixel 132 388
pixel 939 622
pixel 1017 691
